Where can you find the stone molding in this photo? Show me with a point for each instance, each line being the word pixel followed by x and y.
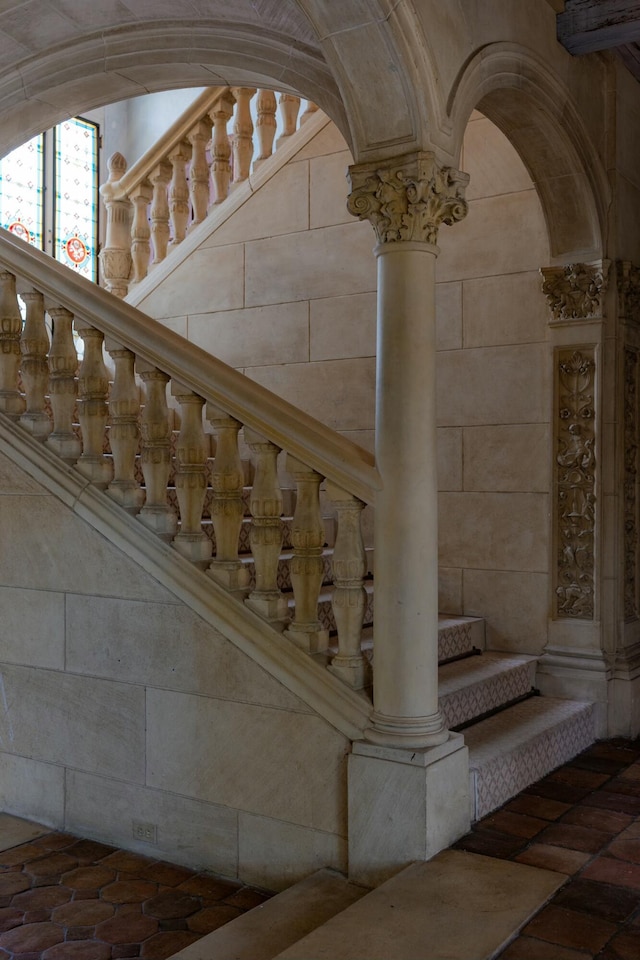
pixel 575 291
pixel 575 483
pixel 407 198
pixel 628 283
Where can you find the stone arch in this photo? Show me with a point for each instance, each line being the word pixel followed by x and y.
pixel 534 109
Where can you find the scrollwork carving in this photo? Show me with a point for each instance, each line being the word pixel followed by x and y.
pixel 407 199
pixel 575 291
pixel 630 481
pixel 628 278
pixel 575 484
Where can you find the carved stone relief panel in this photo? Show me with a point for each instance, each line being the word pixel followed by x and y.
pixel 628 278
pixel 630 483
pixel 575 291
pixel 575 483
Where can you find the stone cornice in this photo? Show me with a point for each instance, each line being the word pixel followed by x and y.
pixel 407 198
pixel 575 291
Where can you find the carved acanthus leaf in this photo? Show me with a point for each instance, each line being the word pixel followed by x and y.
pixel 408 198
pixel 576 291
pixel 575 484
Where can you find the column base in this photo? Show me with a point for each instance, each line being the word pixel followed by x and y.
pixel 576 675
pixel 404 805
pixel 230 574
pixel 275 610
pixel 127 493
pixel 407 732
pixel 65 445
pixel 96 469
pixel 196 547
pixel 354 671
pixel 162 520
pixel 37 424
pixel 311 641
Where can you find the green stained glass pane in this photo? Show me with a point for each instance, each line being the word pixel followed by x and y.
pixel 21 191
pixel 76 196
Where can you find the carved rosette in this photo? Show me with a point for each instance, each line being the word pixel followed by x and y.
pixel 628 278
pixel 630 481
pixel 407 199
pixel 575 484
pixel 575 291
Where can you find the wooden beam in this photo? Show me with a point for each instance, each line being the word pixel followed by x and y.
pixel 590 25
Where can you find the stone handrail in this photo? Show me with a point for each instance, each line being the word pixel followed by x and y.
pixel 42 387
pixel 171 189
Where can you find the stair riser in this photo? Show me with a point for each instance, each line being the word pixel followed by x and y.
pixel 480 698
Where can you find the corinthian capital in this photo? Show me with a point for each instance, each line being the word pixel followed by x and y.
pixel 407 198
pixel 575 291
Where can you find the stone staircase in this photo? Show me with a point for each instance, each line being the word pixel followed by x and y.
pixel 415 914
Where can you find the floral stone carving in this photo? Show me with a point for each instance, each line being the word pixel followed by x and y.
pixel 408 198
pixel 575 484
pixel 630 483
pixel 628 277
pixel 575 291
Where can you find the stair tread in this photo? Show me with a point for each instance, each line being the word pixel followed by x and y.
pixel 505 732
pixel 455 676
pixel 267 930
pixel 417 913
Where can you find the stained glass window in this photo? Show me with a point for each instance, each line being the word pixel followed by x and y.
pixel 22 191
pixel 76 184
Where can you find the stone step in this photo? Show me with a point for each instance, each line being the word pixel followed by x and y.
pixel 513 749
pixel 267 930
pixel 458 906
pixel 472 687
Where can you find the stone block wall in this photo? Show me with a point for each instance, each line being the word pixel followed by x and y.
pixel 285 289
pixel 118 703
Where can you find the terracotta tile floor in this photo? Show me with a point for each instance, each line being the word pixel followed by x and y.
pixel 67 899
pixel 582 820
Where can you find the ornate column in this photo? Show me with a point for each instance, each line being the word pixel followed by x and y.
pixel 115 256
pixel 574 661
pixel 410 752
pixel 406 202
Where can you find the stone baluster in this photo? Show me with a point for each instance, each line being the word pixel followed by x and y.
pixel 266 531
pixel 160 178
pixel 289 109
pixel 115 256
pixel 140 197
pixel 35 369
pixel 227 509
pixel 307 568
pixel 242 134
pixel 156 453
pixel 191 476
pixel 221 148
pixel 63 386
pixel 266 124
pixel 179 193
pixel 93 389
pixel 11 401
pixel 124 431
pixel 199 172
pixel 309 111
pixel 349 597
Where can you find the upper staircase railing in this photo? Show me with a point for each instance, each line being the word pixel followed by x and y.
pixel 186 498
pixel 190 170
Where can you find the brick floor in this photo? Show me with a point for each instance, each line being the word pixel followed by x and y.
pixel 590 815
pixel 62 898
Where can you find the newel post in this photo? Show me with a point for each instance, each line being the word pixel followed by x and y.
pixel 408 751
pixel 115 256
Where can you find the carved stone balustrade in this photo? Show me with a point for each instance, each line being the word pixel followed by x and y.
pixel 157 514
pixel 124 430
pixel 349 597
pixel 167 193
pixel 227 509
pixel 191 477
pixel 63 386
pixel 93 387
pixel 11 402
pixel 34 346
pixel 307 567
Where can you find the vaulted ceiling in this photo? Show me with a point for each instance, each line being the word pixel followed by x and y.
pixel 586 26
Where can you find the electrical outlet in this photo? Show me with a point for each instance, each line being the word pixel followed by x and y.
pixel 147 832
